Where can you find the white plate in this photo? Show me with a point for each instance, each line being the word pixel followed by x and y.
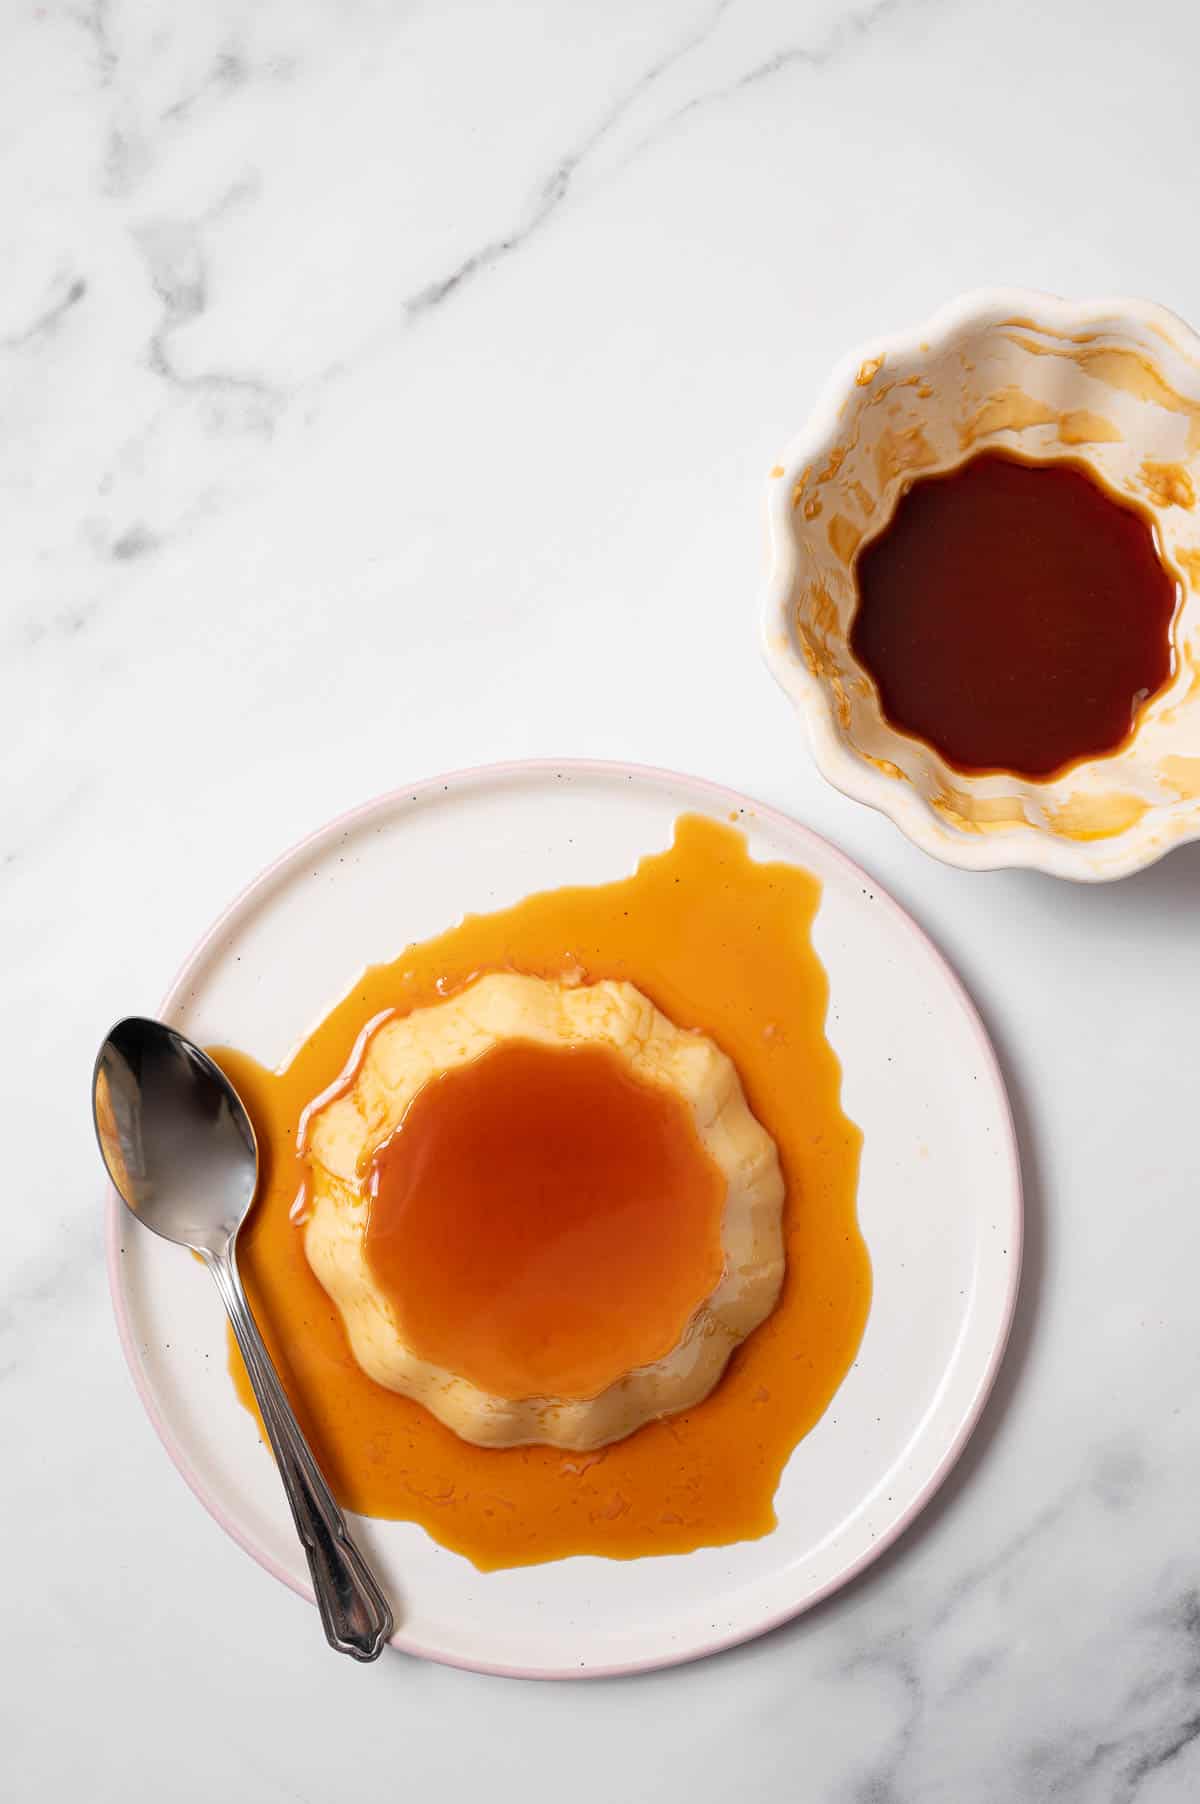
pixel 939 1205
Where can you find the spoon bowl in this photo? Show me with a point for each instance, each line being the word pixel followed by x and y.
pixel 174 1134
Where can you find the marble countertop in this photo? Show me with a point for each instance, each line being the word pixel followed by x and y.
pixel 386 388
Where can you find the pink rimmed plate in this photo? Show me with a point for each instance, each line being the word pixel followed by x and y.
pixel 939 1205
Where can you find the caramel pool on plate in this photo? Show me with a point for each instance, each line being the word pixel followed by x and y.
pixel 1014 615
pixel 720 944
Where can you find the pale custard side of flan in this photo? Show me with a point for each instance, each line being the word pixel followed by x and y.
pixel 405 1054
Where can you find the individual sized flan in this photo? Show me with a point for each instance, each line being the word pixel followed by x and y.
pixel 544 1211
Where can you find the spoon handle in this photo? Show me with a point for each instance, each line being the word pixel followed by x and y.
pixel 354 1612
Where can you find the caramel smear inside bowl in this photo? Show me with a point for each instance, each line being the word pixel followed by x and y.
pixel 1111 390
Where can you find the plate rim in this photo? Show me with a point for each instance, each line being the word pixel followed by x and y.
pixel 721 796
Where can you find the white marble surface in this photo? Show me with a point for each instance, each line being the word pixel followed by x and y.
pixel 392 387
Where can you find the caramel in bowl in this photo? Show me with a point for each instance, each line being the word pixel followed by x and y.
pixel 1109 387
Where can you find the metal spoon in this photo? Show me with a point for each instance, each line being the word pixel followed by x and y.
pixel 181 1152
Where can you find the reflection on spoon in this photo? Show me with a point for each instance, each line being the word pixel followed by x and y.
pixel 181 1153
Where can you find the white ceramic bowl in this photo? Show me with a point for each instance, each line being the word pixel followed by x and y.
pixel 1115 383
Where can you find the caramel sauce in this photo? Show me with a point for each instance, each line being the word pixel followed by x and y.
pixel 719 943
pixel 543 1222
pixel 1014 615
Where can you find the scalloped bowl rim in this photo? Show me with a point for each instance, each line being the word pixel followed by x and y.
pixel 1030 848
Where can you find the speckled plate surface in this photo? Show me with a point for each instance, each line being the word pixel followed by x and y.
pixel 939 1204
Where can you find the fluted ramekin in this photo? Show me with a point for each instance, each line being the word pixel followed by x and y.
pixel 1113 383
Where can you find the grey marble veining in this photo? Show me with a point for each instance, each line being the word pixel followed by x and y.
pixel 367 373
